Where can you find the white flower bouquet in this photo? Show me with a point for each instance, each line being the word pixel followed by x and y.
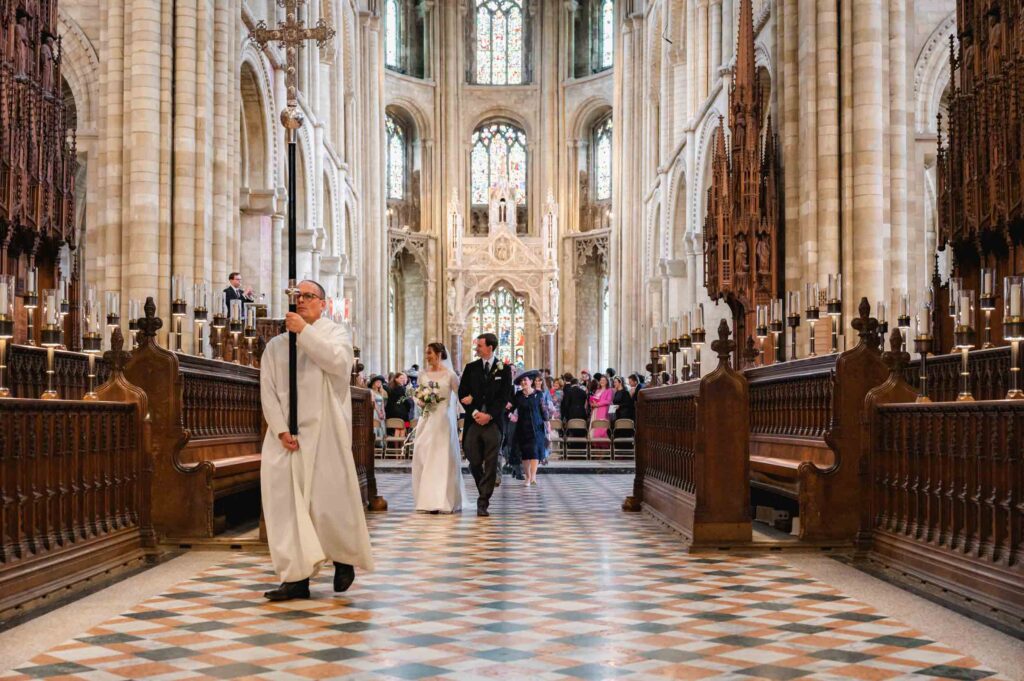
pixel 428 396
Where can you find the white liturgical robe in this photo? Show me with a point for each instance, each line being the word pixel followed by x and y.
pixel 311 501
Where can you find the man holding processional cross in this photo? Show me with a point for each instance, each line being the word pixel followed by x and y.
pixel 311 498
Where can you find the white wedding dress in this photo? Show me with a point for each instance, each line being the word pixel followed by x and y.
pixel 436 455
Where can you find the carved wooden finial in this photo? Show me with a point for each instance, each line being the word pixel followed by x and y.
pixel 723 346
pixel 116 357
pixel 750 353
pixel 897 359
pixel 150 324
pixel 866 326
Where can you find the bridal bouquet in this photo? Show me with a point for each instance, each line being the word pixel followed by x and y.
pixel 428 395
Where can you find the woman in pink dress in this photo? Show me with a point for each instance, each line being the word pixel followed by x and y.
pixel 599 403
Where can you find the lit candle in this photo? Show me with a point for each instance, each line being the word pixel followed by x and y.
pixel 686 323
pixel 700 316
pixel 903 302
pixel 834 286
pixel 881 312
pixel 987 282
pixel 3 295
pixel 964 313
pixel 92 364
pixel 30 280
pixel 1015 300
pixel 51 310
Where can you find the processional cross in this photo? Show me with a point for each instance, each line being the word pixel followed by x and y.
pixel 291 34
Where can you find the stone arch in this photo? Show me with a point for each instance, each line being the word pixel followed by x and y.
pixel 80 68
pixel 932 74
pixel 256 92
pixel 255 157
pixel 500 114
pixel 590 111
pixel 680 226
pixel 702 164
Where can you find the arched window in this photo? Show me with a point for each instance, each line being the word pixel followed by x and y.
pixel 392 35
pixel 396 157
pixel 499 152
pixel 499 28
pixel 602 173
pixel 605 21
pixel 503 313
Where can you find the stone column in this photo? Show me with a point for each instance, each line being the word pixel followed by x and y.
pixel 375 280
pixel 547 343
pixel 456 330
pixel 278 271
pixel 729 31
pixel 703 68
pixel 716 39
pixel 899 134
pixel 863 259
pixel 257 210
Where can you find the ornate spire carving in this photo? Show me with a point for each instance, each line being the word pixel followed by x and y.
pixel 742 230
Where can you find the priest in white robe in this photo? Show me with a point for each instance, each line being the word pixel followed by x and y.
pixel 311 501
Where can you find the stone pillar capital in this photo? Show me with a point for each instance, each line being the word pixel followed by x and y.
pixel 257 201
pixel 305 239
pixel 548 328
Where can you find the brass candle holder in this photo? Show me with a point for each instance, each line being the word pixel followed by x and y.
pixel 924 344
pixel 1013 329
pixel 200 315
pixel 673 352
pixel 834 306
pixel 654 366
pixel 987 303
pixel 30 301
pixel 50 338
pixel 6 326
pixel 686 345
pixel 813 314
pixel 963 340
pixel 91 395
pixel 776 328
pixel 699 337
pixel 761 330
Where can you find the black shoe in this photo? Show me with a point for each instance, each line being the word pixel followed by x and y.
pixel 344 575
pixel 483 513
pixel 289 590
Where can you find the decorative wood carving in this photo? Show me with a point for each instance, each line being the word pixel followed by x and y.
pixel 692 462
pixel 37 147
pixel 743 225
pixel 945 503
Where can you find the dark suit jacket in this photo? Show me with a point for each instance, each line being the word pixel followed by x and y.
pixel 229 295
pixel 574 404
pixel 490 392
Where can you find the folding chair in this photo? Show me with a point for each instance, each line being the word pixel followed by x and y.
pixel 394 439
pixel 624 439
pixel 555 440
pixel 577 444
pixel 603 448
pixel 378 442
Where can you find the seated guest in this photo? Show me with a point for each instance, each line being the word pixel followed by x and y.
pixel 234 291
pixel 610 373
pixel 622 403
pixel 574 400
pixel 399 405
pixel 634 384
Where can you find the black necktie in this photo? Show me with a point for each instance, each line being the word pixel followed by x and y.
pixel 487 366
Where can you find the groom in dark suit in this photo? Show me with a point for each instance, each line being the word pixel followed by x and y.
pixel 485 389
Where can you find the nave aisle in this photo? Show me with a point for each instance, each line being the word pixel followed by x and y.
pixel 557 584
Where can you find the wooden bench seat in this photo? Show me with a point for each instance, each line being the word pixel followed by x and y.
pixel 235 474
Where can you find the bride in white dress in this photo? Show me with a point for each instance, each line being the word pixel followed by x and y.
pixel 436 455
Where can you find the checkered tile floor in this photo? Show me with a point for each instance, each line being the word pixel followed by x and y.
pixel 557 584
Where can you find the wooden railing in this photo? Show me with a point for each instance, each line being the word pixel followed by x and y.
pixel 989 374
pixel 26 376
pixel 692 466
pixel 74 495
pixel 793 399
pixel 947 502
pixel 219 399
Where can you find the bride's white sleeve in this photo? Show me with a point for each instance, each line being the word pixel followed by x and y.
pixel 455 381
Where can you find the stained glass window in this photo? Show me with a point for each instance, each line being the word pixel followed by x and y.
pixel 392 34
pixel 395 157
pixel 503 313
pixel 499 42
pixel 499 151
pixel 606 19
pixel 603 159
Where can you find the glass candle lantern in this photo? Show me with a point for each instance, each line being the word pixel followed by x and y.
pixel 686 345
pixel 1013 329
pixel 699 337
pixel 963 338
pixel 923 343
pixel 50 336
pixel 113 306
pixel 200 314
pixel 776 326
pixel 955 284
pixel 901 304
pixel 30 301
pixel 883 322
pixel 813 313
pixel 92 338
pixel 987 302
pixel 179 298
pixel 761 326
pixel 792 319
pixel 235 323
pixel 220 312
pixel 834 306
pixel 250 320
pixel 6 327
pixel 64 298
